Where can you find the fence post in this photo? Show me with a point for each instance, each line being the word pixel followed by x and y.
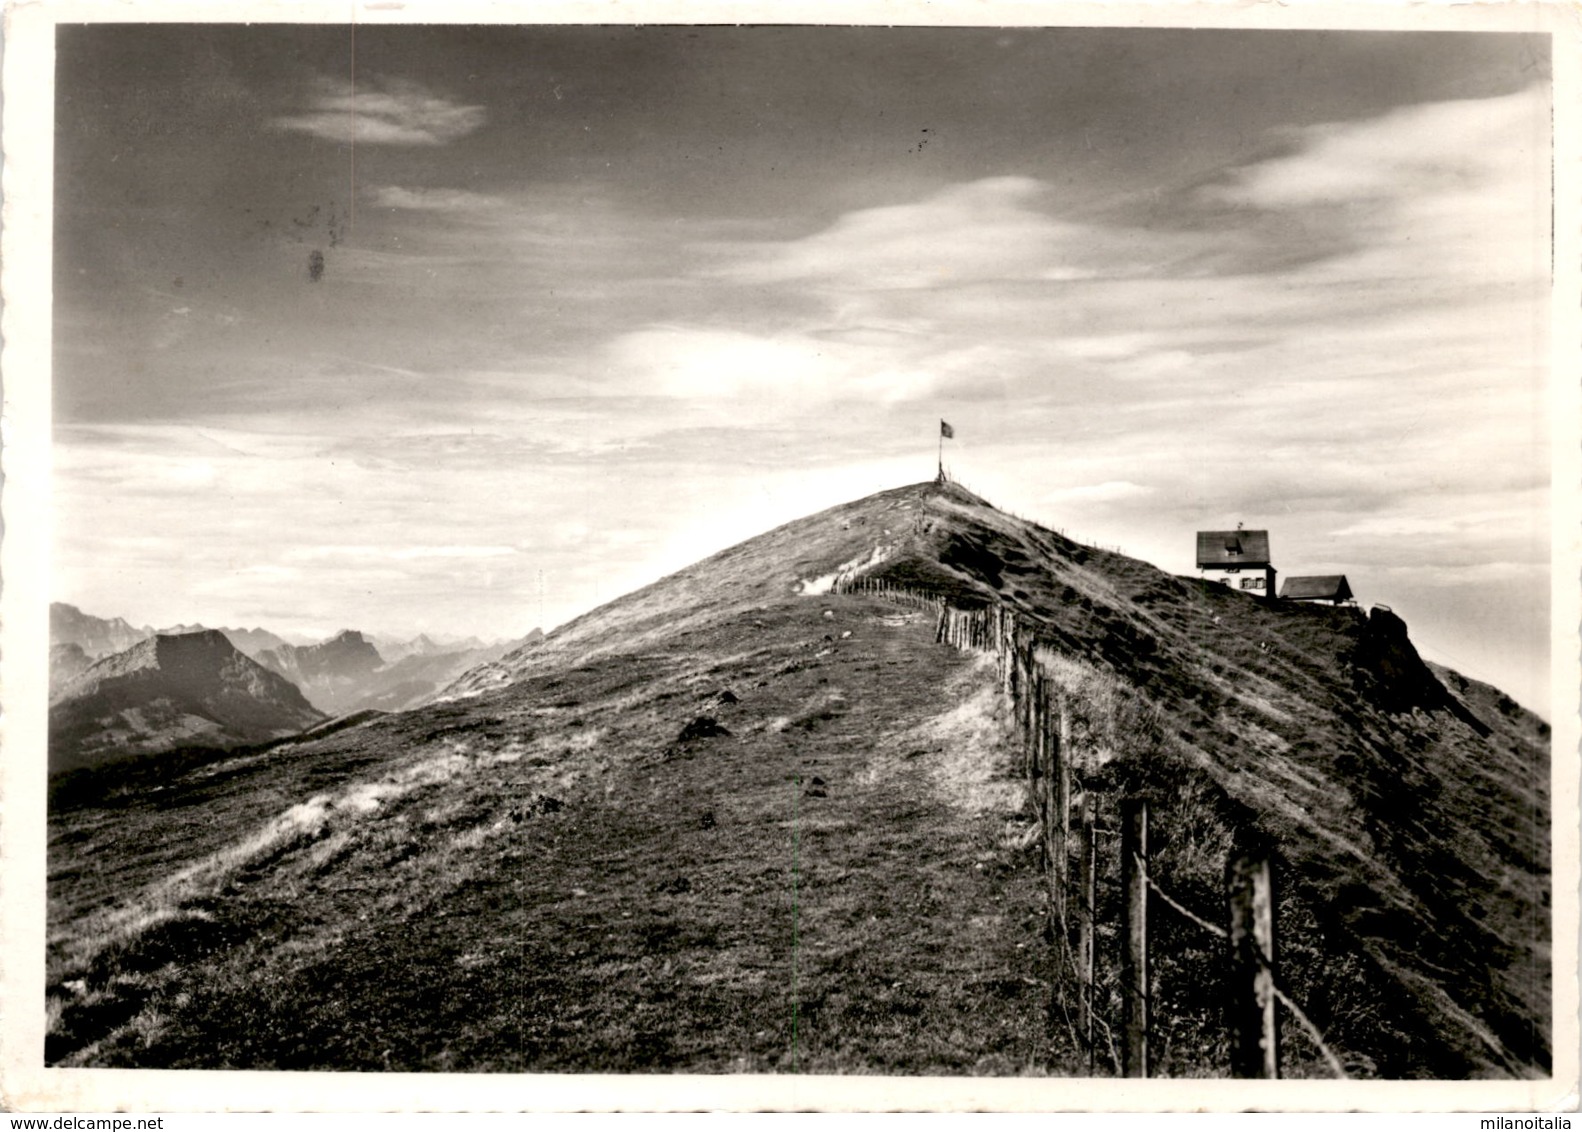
pixel 1015 661
pixel 1029 701
pixel 1134 957
pixel 1010 662
pixel 1024 709
pixel 1062 792
pixel 1048 756
pixel 1054 848
pixel 1037 763
pixel 1087 892
pixel 1254 1022
pixel 1029 716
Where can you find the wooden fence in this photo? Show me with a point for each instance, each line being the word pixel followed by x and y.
pixel 1055 775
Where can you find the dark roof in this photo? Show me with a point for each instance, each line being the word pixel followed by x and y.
pixel 1232 548
pixel 1329 587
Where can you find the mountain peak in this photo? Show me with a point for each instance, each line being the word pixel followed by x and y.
pixel 192 689
pixel 899 532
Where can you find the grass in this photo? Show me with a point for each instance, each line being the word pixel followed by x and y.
pixel 642 923
pixel 557 870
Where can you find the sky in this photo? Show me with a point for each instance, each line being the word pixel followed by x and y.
pixel 467 330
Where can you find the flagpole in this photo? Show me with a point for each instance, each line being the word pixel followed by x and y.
pixel 941 471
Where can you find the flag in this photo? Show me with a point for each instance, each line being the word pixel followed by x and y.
pixel 946 432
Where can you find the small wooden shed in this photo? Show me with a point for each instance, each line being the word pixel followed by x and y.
pixel 1317 587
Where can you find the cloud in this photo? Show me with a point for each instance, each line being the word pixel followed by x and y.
pixel 1398 154
pixel 995 229
pixel 1110 491
pixel 399 554
pixel 1448 190
pixel 751 371
pixel 433 199
pixel 1344 342
pixel 392 112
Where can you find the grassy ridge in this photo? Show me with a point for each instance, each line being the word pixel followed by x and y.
pixel 565 868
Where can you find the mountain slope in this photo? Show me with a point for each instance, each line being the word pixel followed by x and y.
pixel 733 821
pixel 193 689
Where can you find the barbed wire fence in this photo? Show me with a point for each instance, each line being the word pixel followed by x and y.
pixel 1053 772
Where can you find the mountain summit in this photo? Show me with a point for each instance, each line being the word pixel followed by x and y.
pixel 189 689
pixel 754 817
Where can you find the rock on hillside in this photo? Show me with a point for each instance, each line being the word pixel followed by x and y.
pixel 563 868
pixel 96 636
pixel 193 690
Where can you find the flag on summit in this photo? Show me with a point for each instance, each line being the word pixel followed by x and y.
pixel 946 432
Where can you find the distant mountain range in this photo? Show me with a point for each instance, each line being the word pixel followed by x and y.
pixel 347 673
pixel 92 720
pixel 99 636
pixel 95 636
pixel 251 642
pixel 331 673
pixel 394 649
pixel 188 689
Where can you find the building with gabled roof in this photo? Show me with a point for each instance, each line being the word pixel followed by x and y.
pixel 1317 587
pixel 1238 559
pixel 1219 549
